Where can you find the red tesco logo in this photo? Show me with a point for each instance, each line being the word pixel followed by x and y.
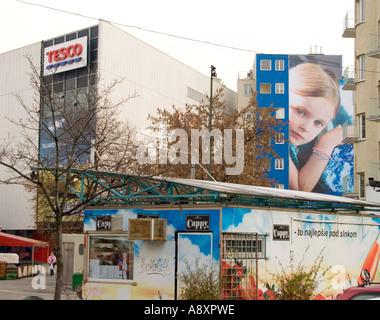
pixel 63 53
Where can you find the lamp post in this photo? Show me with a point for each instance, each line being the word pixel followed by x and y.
pixel 213 74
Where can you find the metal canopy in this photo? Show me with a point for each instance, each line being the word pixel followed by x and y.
pixel 131 190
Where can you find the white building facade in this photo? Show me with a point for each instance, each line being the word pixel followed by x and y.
pixel 99 52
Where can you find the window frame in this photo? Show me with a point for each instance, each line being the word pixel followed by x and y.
pixel 362 126
pixel 265 88
pixel 280 88
pixel 248 90
pixel 361 68
pixel 265 68
pixel 110 236
pixel 240 241
pixel 279 164
pixel 361 11
pixel 280 113
pixel 279 138
pixel 280 65
pixel 361 184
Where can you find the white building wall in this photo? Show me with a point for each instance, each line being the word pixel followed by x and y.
pixel 159 80
pixel 17 208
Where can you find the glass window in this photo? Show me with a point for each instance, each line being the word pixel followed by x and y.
pixel 265 88
pixel 83 33
pixel 82 82
pixel 362 124
pixel 111 257
pixel 280 88
pixel 361 11
pixel 94 32
pixel 280 113
pixel 361 185
pixel 361 61
pixel 266 164
pixel 366 296
pixel 71 36
pixel 247 89
pixel 279 164
pixel 59 40
pixel 265 65
pixel 279 138
pixel 279 65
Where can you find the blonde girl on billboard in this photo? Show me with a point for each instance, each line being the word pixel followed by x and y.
pixel 313 102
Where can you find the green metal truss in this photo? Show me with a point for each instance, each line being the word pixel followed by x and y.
pixel 118 189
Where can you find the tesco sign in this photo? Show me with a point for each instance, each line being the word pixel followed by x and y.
pixel 65 56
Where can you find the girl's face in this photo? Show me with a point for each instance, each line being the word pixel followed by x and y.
pixel 308 117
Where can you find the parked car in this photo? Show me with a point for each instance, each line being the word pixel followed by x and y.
pixel 365 291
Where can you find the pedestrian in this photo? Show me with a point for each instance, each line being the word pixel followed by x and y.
pixel 51 261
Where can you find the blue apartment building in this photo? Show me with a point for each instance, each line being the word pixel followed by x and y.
pixel 273 87
pixel 272 81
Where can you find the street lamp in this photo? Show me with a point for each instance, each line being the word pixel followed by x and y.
pixel 213 74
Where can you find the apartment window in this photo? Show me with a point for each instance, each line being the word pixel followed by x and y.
pixel 361 11
pixel 362 125
pixel 247 89
pixel 280 88
pixel 266 164
pixel 361 185
pixel 361 71
pixel 264 113
pixel 279 138
pixel 280 113
pixel 265 88
pixel 279 164
pixel 280 65
pixel 265 65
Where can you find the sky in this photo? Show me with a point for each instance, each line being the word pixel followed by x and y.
pixel 226 34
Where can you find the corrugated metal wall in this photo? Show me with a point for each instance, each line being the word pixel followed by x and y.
pixel 16 206
pixel 159 80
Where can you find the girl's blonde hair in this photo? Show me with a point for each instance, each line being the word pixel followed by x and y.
pixel 311 80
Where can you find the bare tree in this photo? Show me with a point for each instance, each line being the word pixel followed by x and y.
pixel 78 129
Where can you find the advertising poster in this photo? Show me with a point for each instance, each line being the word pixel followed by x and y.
pixel 349 249
pixel 318 109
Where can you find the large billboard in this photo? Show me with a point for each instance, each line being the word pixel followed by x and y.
pixel 318 109
pixel 246 247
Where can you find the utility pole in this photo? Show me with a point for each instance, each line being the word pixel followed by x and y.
pixel 213 74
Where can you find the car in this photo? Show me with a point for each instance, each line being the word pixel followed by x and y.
pixel 365 291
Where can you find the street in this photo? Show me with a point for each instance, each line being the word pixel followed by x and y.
pixel 41 285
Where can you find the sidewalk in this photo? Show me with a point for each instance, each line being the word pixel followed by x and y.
pixel 41 285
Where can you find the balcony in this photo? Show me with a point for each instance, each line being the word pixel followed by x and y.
pixel 348 187
pixel 349 30
pixel 349 82
pixel 374 170
pixel 246 75
pixel 350 133
pixel 374 109
pixel 374 46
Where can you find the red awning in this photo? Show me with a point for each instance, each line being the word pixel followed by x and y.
pixel 10 240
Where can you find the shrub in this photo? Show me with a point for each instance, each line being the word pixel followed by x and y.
pixel 298 283
pixel 199 282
